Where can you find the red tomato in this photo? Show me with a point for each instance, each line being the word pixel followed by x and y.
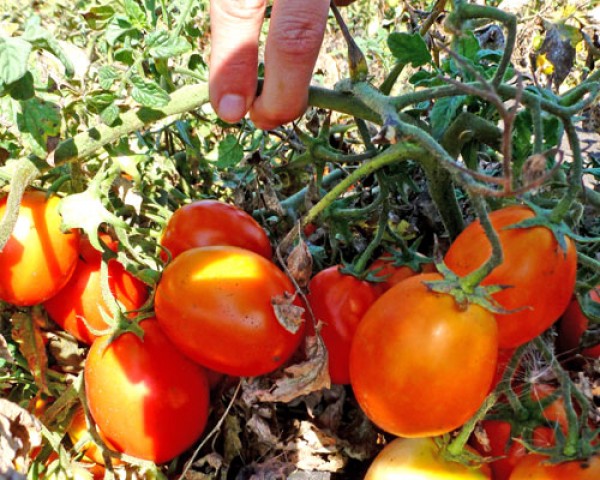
pixel 206 223
pixel 80 300
pixel 148 399
pixel 38 259
pixel 420 459
pixel 339 301
pixel 537 467
pixel 572 326
pixel 393 273
pixel 555 413
pixel 508 450
pixel 539 275
pixel 215 304
pixel 420 365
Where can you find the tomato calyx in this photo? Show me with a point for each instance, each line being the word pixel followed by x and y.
pixel 466 295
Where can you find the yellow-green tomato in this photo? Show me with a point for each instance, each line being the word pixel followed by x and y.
pixel 420 459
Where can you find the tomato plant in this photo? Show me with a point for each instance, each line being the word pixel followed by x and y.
pixel 539 281
pixel 572 326
pixel 339 301
pixel 79 303
pixel 205 223
pixel 216 305
pixel 391 271
pixel 419 364
pixel 148 399
pixel 538 467
pixel 38 258
pixel 420 458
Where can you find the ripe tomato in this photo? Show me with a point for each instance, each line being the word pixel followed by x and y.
pixel 419 365
pixel 572 326
pixel 393 273
pixel 38 259
pixel 420 459
pixel 148 399
pixel 80 300
pixel 207 223
pixel 215 304
pixel 537 467
pixel 539 275
pixel 508 450
pixel 76 431
pixel 339 301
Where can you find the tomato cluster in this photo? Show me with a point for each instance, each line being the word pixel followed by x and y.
pixel 419 362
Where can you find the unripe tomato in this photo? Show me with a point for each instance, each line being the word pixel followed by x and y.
pixel 419 365
pixel 215 304
pixel 573 325
pixel 80 301
pixel 420 459
pixel 539 276
pixel 38 259
pixel 339 301
pixel 538 467
pixel 206 223
pixel 148 399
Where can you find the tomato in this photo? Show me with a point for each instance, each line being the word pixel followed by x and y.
pixel 339 301
pixel 420 459
pixel 215 304
pixel 207 223
pixel 572 326
pixel 555 413
pixel 539 275
pixel 80 300
pixel 391 272
pixel 419 365
pixel 77 429
pixel 148 399
pixel 38 259
pixel 537 467
pixel 508 450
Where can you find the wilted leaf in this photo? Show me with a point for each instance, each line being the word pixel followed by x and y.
pixel 299 379
pixel 37 121
pixel 300 263
pixel 316 449
pixel 289 315
pixel 5 355
pixel 233 444
pixel 260 427
pixel 20 431
pixel 66 352
pixel 31 345
pixel 559 49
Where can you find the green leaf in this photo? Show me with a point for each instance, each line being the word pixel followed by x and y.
pixel 23 88
pixel 443 112
pixel 98 16
pixel 97 101
pixel 135 14
pixel 37 121
pixel 230 152
pixel 117 28
pixel 467 46
pixel 170 46
pixel 14 53
pixel 409 48
pixel 107 76
pixel 148 93
pixel 39 37
pixel 110 114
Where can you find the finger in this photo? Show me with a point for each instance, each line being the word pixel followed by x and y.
pixel 235 28
pixel 293 44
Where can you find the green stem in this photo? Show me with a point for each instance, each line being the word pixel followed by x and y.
pixel 24 173
pixel 367 254
pixel 388 83
pixel 187 8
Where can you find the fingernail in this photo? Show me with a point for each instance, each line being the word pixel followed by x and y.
pixel 232 107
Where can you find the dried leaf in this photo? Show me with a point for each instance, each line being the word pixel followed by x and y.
pixel 300 263
pixel 67 353
pixel 289 315
pixel 20 431
pixel 299 379
pixel 559 49
pixel 316 449
pixel 233 444
pixel 31 345
pixel 5 354
pixel 260 427
pixel 534 168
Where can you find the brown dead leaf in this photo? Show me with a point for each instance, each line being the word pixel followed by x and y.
pixel 28 336
pixel 316 449
pixel 300 263
pixel 260 427
pixel 289 315
pixel 233 443
pixel 297 380
pixel 20 431
pixel 67 353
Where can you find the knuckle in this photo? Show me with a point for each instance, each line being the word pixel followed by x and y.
pixel 240 9
pixel 298 36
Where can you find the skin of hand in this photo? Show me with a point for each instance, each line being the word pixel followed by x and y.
pixel 293 42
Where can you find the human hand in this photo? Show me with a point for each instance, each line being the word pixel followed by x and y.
pixel 292 46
